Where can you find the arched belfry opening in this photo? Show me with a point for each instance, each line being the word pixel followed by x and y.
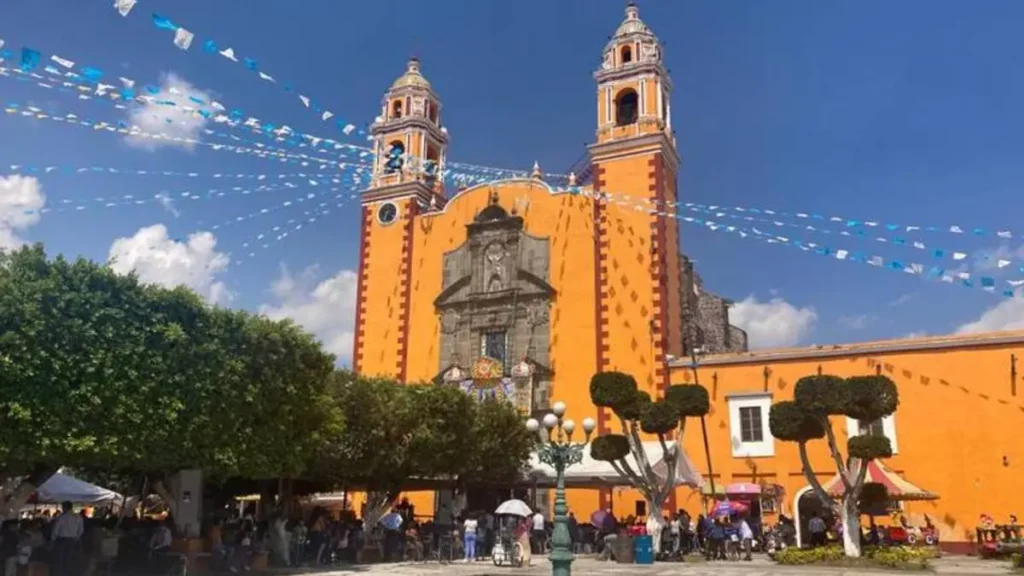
pixel 395 157
pixel 626 55
pixel 627 107
pixel 396 109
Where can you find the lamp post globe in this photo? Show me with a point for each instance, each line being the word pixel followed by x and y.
pixel 556 449
pixel 550 421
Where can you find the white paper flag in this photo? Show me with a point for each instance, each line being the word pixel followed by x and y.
pixel 124 7
pixel 841 254
pixel 349 129
pixel 183 38
pixel 266 77
pixel 305 100
pixel 62 61
pixel 956 230
pixel 959 255
pixel 919 245
pixel 128 82
pixel 1004 234
pixel 1003 263
pixel 326 116
pixel 229 54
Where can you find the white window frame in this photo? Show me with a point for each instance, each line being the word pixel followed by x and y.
pixel 741 449
pixel 888 428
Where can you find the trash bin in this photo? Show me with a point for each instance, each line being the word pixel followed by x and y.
pixel 643 549
pixel 624 548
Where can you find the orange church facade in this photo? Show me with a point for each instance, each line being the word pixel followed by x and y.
pixel 524 289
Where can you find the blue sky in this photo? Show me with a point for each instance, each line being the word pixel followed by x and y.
pixel 900 112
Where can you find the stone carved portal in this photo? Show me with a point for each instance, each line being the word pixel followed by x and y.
pixel 494 312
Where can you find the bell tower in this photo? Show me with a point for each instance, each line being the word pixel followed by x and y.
pixel 409 146
pixel 639 313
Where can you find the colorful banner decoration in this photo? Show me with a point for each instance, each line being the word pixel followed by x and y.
pixel 1004 234
pixel 184 39
pixel 279 233
pixel 957 276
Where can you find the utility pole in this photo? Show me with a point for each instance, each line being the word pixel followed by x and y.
pixel 703 424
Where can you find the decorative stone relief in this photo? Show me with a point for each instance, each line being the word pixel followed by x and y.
pixel 419 106
pixel 494 267
pixel 449 322
pixel 648 51
pixel 537 313
pixel 609 60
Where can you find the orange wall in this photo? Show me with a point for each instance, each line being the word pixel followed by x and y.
pixel 381 295
pixel 629 291
pixel 956 422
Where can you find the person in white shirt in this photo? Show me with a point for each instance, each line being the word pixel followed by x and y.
pixel 539 533
pixel 67 531
pixel 469 538
pixel 676 532
pixel 747 539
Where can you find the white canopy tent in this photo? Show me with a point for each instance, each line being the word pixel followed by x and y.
pixel 63 488
pixel 595 473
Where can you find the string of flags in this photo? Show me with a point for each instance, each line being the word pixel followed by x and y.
pixel 278 233
pixel 483 173
pixel 187 114
pixel 199 107
pixel 1000 233
pixel 36 169
pixel 184 39
pixel 165 197
pixel 961 277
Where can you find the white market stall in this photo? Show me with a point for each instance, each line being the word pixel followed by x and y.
pixel 63 488
pixel 592 473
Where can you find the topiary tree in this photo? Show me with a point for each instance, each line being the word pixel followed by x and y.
pixel 637 413
pixel 806 418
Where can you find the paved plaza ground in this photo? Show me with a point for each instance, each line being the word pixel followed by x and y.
pixel 949 566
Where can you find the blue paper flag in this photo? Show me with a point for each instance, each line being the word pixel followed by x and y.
pixel 29 59
pixel 163 23
pixel 987 282
pixel 250 64
pixel 210 46
pixel 93 74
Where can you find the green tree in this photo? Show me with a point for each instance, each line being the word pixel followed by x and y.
pixel 807 417
pixel 500 445
pixel 638 413
pixel 101 372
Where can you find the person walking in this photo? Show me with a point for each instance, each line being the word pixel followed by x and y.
pixel 67 532
pixel 816 526
pixel 469 538
pixel 539 532
pixel 746 540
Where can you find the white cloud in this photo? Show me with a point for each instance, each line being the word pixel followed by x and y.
pixel 152 117
pixel 21 198
pixel 325 307
pixel 857 321
pixel 901 300
pixel 159 259
pixel 774 323
pixel 1007 315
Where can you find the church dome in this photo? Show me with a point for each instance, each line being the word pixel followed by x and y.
pixel 412 77
pixel 632 27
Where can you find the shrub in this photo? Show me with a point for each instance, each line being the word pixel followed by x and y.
pixel 822 555
pixel 884 556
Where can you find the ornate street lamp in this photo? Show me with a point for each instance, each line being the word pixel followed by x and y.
pixel 556 449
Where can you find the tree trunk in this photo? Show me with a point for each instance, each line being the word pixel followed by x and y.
pixel 655 523
pixel 169 495
pixel 851 527
pixel 14 493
